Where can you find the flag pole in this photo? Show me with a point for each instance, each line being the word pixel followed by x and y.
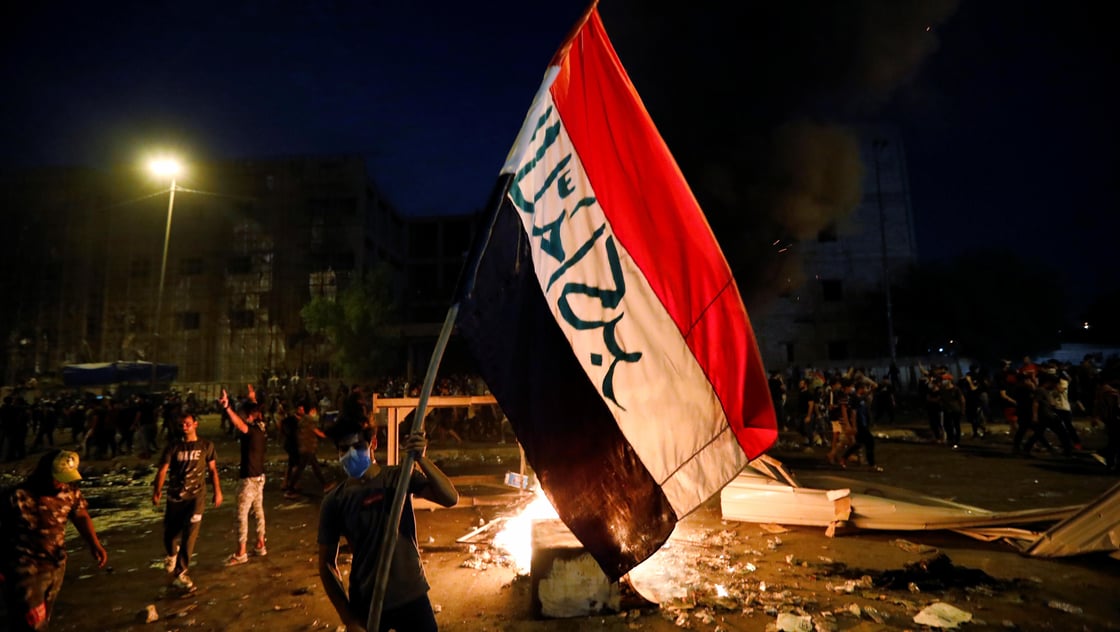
pixel 464 287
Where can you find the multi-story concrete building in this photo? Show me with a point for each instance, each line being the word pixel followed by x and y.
pixel 253 240
pixel 840 313
pixel 438 247
pixel 250 242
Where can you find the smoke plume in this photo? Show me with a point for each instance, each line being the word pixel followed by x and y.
pixel 756 103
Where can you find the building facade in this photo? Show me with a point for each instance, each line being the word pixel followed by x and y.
pixel 250 242
pixel 839 315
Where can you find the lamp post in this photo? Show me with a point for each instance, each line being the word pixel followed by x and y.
pixel 162 167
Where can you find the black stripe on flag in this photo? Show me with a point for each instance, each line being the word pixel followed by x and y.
pixel 595 480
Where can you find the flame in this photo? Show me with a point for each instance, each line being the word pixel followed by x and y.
pixel 515 538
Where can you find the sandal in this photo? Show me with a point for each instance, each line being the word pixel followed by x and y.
pixel 237 560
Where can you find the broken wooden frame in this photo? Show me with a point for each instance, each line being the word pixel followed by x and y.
pixel 398 408
pixel 768 493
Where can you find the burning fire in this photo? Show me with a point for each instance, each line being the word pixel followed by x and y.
pixel 515 538
pixel 666 575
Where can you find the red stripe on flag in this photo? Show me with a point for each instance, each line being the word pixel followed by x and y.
pixel 654 215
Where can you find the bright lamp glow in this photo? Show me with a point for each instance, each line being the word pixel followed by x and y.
pixel 164 166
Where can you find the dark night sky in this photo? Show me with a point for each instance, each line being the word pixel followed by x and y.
pixel 1010 123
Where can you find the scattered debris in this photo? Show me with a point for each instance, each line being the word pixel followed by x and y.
pixel 768 494
pixel 942 615
pixel 148 614
pixel 1065 607
pixel 913 547
pixel 936 573
pixel 790 622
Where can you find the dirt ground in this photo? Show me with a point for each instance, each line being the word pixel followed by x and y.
pixel 732 575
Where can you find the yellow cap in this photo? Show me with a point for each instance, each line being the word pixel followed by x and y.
pixel 65 467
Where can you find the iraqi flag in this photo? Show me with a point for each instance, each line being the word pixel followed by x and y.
pixel 605 319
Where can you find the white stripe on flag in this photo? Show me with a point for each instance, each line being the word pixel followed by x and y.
pixel 662 401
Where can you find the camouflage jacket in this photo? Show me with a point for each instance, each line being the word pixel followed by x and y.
pixel 33 526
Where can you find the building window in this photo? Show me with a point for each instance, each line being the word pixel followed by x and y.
pixel 832 290
pixel 190 266
pixel 317 233
pixel 342 260
pixel 457 237
pixel 239 265
pixel 838 350
pixel 242 319
pixel 140 268
pixel 827 234
pixel 189 320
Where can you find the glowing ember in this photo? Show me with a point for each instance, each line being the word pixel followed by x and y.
pixel 515 538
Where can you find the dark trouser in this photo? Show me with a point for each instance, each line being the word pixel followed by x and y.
pixel 975 417
pixel 808 428
pixel 44 436
pixel 414 616
pixel 305 459
pixel 1040 428
pixel 125 444
pixel 148 433
pixel 1065 418
pixel 15 444
pixel 1024 426
pixel 952 427
pixel 182 520
pixel 105 442
pixel 29 595
pixel 293 462
pixel 867 440
pixel 1112 450
pixel 935 427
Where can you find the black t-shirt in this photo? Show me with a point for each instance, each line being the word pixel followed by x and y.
pixel 252 450
pixel 802 403
pixel 289 427
pixel 358 510
pixel 188 463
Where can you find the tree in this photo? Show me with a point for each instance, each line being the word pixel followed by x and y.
pixel 360 322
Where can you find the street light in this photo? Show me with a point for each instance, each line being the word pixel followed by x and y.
pixel 162 167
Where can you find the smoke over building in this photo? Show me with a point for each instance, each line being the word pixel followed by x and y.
pixel 757 102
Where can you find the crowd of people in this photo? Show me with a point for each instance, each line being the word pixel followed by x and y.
pixel 105 426
pixel 34 513
pixel 837 409
pixel 1038 401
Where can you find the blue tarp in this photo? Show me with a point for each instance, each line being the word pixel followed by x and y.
pixel 101 373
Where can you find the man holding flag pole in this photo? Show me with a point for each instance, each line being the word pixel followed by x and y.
pixel 605 319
